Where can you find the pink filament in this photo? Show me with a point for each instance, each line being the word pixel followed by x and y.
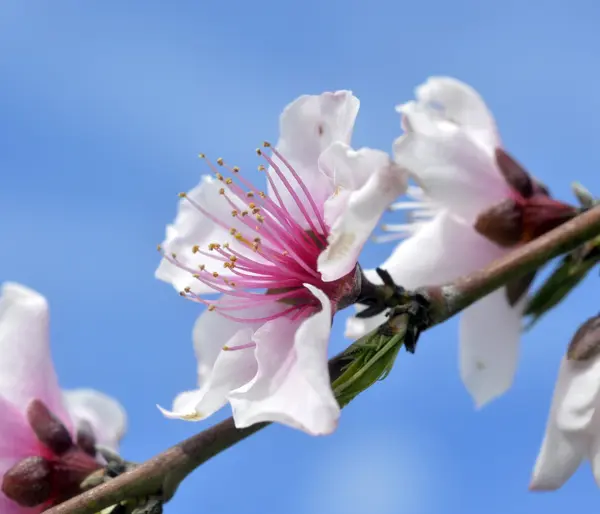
pixel 286 255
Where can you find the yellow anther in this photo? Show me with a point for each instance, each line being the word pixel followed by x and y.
pixel 215 274
pixel 211 246
pixel 257 239
pixel 232 231
pixel 225 348
pixel 235 169
pixel 212 307
pixel 260 218
pixel 225 245
pixel 202 156
pixel 227 264
pixel 239 236
pixel 201 267
pixel 234 213
pixel 233 258
pixel 187 289
pixel 261 168
pixel 228 181
pixel 262 194
pixel 266 144
pixel 222 191
pixel 195 275
pixel 195 249
pixel 250 194
pixel 174 255
pixel 182 195
pixel 232 284
pixel 219 176
pixel 244 213
pixel 258 151
pixel 220 161
pixel 252 205
pixel 256 210
pixel 159 248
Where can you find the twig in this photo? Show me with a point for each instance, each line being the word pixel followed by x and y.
pixel 163 473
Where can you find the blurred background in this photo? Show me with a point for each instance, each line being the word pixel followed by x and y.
pixel 104 107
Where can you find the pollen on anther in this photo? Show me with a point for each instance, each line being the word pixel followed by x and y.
pixel 195 249
pixel 257 239
pixel 250 194
pixel 195 275
pixel 235 169
pixel 222 191
pixel 261 168
pixel 187 289
pixel 260 218
pixel 232 231
pixel 262 194
pixel 244 213
pixel 215 274
pixel 220 161
pixel 234 213
pixel 225 245
pixel 201 267
pixel 232 284
pixel 174 255
pixel 159 248
pixel 228 181
pixel 182 195
pixel 219 176
pixel 252 205
pixel 255 210
pixel 258 151
pixel 202 156
pixel 212 307
pixel 266 144
pixel 232 258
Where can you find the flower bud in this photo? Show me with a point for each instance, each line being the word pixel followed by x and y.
pixel 586 341
pixel 28 482
pixel 48 428
pixel 502 223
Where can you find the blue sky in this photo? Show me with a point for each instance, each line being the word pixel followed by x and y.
pixel 104 107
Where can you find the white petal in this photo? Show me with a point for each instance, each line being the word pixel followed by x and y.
pixel 26 368
pixel 490 332
pixel 307 127
pixel 454 171
pixel 594 457
pixel 231 370
pixel 219 371
pixel 292 384
pixel 212 331
pixel 106 416
pixel 461 104
pixel 363 208
pixel 566 440
pixel 578 395
pixel 559 457
pixel 192 227
pixel 440 251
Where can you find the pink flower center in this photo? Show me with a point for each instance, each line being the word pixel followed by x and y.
pixel 56 472
pixel 275 254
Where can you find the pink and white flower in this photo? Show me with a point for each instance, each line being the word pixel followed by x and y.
pixel 284 261
pixel 48 437
pixel 474 204
pixel 573 427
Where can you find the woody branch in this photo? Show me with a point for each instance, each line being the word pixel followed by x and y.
pixel 162 474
